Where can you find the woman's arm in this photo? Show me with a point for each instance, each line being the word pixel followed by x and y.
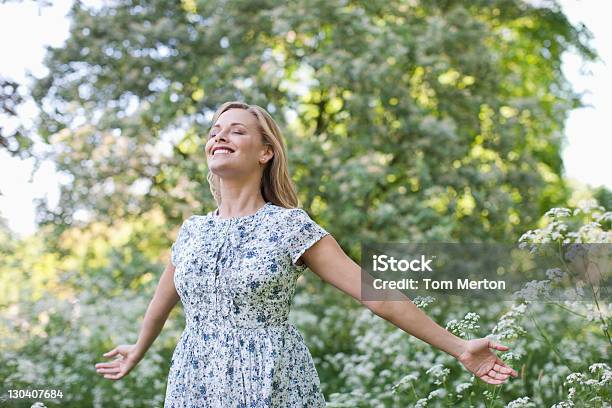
pixel 327 259
pixel 164 299
pixel 155 317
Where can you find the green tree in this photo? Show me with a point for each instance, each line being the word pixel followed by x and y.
pixel 14 139
pixel 437 120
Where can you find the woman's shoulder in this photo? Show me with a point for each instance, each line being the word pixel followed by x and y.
pixel 287 212
pixel 188 223
pixel 288 218
pixel 195 221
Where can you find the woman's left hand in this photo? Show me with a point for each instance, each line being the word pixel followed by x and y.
pixel 485 364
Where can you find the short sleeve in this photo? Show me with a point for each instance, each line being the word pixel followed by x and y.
pixel 303 233
pixel 180 242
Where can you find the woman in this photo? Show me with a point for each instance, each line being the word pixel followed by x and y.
pixel 236 269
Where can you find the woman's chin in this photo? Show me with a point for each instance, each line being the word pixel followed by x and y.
pixel 219 163
pixel 224 170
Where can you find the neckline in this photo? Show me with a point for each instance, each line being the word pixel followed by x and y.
pixel 215 214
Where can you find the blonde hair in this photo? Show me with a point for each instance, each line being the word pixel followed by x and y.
pixel 276 185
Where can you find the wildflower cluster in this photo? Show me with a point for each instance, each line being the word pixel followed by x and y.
pixel 465 326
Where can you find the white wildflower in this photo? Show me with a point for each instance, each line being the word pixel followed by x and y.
pixel 598 366
pixel 439 393
pixel 558 212
pixel 574 378
pixel 508 327
pixel 532 290
pixel 526 237
pixel 606 378
pixel 522 402
pixel 407 379
pixel 467 324
pixel 439 373
pixel 607 216
pixel 453 326
pixel 421 403
pixel 513 355
pixel 462 387
pixel 423 301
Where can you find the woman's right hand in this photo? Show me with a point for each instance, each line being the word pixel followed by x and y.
pixel 120 367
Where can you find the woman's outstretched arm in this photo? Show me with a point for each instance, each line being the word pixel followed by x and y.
pixel 327 259
pixel 164 299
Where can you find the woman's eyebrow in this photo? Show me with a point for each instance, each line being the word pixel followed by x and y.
pixel 232 124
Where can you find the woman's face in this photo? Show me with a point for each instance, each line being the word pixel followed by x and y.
pixel 244 153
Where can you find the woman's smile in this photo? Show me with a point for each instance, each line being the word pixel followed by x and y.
pixel 221 151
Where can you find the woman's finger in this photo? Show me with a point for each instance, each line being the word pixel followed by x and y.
pixel 497 346
pixel 490 380
pixel 512 370
pixel 119 374
pixel 494 374
pixel 107 365
pixel 108 370
pixel 502 369
pixel 111 353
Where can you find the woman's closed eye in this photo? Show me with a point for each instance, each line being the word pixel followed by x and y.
pixel 236 131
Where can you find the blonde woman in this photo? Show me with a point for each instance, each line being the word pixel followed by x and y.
pixel 235 268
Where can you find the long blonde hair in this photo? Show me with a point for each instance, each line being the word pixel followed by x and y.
pixel 276 185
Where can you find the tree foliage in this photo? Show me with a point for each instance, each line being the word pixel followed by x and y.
pixel 441 119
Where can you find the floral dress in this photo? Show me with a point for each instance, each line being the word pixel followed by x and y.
pixel 236 280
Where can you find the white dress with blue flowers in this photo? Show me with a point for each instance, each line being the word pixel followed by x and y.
pixel 236 280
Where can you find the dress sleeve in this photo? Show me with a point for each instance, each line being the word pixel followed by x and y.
pixel 181 239
pixel 303 234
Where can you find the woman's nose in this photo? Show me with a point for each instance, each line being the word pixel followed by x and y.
pixel 219 136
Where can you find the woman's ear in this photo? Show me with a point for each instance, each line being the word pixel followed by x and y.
pixel 268 155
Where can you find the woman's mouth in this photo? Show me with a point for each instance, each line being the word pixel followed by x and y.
pixel 221 151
